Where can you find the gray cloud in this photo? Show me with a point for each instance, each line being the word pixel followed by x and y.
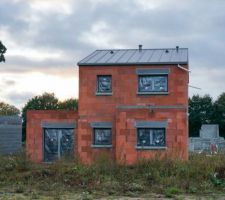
pixel 19 98
pixel 10 82
pixel 198 25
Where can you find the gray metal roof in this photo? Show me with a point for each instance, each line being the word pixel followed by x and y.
pixel 136 56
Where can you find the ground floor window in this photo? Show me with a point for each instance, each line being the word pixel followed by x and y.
pixel 151 137
pixel 58 142
pixel 102 136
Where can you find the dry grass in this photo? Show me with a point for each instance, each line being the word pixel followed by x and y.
pixel 162 176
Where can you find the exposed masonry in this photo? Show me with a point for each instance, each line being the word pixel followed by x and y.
pixel 144 110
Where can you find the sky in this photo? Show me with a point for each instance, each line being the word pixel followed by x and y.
pixel 46 38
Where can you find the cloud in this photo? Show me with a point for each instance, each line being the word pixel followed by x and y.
pixel 50 37
pixel 18 98
pixel 9 82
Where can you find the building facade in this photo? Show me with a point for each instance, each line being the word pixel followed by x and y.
pixel 133 105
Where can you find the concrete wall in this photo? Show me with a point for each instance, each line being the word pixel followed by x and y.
pixel 10 134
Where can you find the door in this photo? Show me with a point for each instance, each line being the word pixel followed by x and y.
pixel 58 143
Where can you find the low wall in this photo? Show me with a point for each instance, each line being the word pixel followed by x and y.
pixel 198 144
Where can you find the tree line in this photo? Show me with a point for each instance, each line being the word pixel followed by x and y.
pixel 205 110
pixel 46 101
pixel 202 110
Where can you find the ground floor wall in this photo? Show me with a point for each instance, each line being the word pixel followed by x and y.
pixel 37 121
pixel 124 126
pixel 128 121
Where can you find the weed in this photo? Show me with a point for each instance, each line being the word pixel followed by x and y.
pixel 200 174
pixel 172 191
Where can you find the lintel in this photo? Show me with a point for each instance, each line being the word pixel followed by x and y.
pixel 101 124
pixel 152 71
pixel 151 124
pixel 45 124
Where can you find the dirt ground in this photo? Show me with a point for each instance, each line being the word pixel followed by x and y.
pixel 85 196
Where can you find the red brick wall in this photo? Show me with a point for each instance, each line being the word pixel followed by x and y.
pixel 85 133
pixel 126 134
pixel 124 88
pixel 34 132
pixel 94 108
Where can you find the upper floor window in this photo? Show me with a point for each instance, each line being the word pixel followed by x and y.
pixel 104 84
pixel 152 83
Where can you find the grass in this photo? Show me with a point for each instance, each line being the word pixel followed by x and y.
pixel 201 174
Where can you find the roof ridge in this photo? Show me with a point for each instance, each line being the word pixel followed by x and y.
pixel 142 49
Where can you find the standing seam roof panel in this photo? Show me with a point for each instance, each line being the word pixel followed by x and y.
pixel 166 55
pixel 131 57
pixel 106 57
pixel 126 56
pixel 115 58
pixel 113 55
pixel 136 56
pixel 175 56
pixel 97 57
pixel 156 56
pixel 89 56
pixel 183 56
pixel 147 55
pixel 171 54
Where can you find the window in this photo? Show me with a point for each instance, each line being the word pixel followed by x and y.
pixel 151 137
pixel 152 83
pixel 104 84
pixel 102 136
pixel 58 142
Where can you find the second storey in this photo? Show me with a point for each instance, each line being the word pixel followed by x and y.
pixel 109 79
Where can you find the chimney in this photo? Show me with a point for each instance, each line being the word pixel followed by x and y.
pixel 140 47
pixel 177 48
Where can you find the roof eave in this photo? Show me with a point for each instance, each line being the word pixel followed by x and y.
pixel 128 64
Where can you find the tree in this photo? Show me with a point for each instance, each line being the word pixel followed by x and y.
pixel 200 112
pixel 7 109
pixel 2 51
pixel 219 113
pixel 68 104
pixel 46 101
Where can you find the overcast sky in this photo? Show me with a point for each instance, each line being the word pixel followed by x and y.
pixel 46 38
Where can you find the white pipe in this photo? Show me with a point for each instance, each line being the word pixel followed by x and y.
pixel 183 68
pixel 194 87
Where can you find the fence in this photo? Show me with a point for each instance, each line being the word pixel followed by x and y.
pixel 10 134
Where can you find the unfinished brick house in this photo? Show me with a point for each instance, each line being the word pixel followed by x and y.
pixel 133 103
